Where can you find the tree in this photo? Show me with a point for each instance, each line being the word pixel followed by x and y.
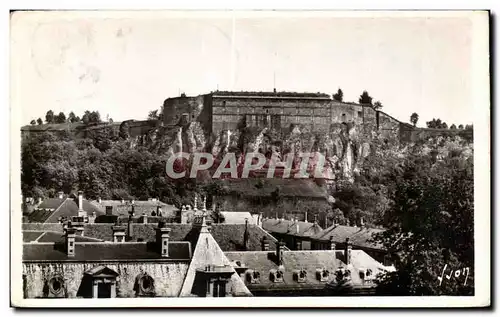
pixel 86 117
pixel 39 121
pixel 461 126
pixel 60 118
pixel 414 119
pixel 365 98
pixel 469 127
pixel 72 117
pixel 339 96
pixel 453 127
pixel 153 115
pixel 429 226
pixel 437 124
pixel 377 105
pixel 33 122
pixel 49 116
pixel 94 117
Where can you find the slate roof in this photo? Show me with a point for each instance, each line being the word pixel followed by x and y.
pixel 264 261
pixel 305 229
pixel 236 217
pixel 98 251
pixel 140 207
pixel 65 207
pixel 51 203
pixel 358 236
pixel 228 236
pixel 257 187
pixel 309 261
pixel 31 235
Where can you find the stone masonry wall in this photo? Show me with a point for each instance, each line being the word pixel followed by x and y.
pixel 168 277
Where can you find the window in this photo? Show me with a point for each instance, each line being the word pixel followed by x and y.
pixel 322 275
pixel 145 285
pixel 56 285
pixel 360 113
pixel 164 242
pixel 300 276
pixel 219 289
pixel 252 277
pixel 276 276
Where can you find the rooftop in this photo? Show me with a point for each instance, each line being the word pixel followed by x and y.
pixel 51 209
pixel 296 228
pixel 359 236
pixel 230 237
pixel 98 251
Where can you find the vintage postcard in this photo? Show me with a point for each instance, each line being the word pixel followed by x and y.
pixel 332 159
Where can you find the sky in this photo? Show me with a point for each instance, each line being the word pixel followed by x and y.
pixel 126 64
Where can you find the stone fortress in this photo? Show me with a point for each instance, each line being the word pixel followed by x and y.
pixel 315 112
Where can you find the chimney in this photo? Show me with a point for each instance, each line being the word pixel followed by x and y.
pixel 348 249
pixel 158 211
pixel 265 243
pixel 80 201
pixel 305 217
pixel 361 222
pixel 332 244
pixel 70 241
pixel 279 252
pixel 40 200
pixel 195 206
pixel 144 218
pixel 109 210
pixel 123 201
pixel 118 234
pixel 130 233
pixel 61 195
pixel 162 237
pixel 99 200
pixel 245 235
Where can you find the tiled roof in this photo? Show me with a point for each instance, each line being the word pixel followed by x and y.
pixel 257 187
pixel 64 208
pixel 358 236
pixel 236 217
pixel 104 251
pixel 305 229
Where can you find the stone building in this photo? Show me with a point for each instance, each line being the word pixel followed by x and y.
pixel 222 110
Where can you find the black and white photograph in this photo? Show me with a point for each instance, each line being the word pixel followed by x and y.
pixel 329 158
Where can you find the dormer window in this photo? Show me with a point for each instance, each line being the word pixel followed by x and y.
pixel 276 276
pixel 252 277
pixel 343 275
pixel 299 276
pixel 322 275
